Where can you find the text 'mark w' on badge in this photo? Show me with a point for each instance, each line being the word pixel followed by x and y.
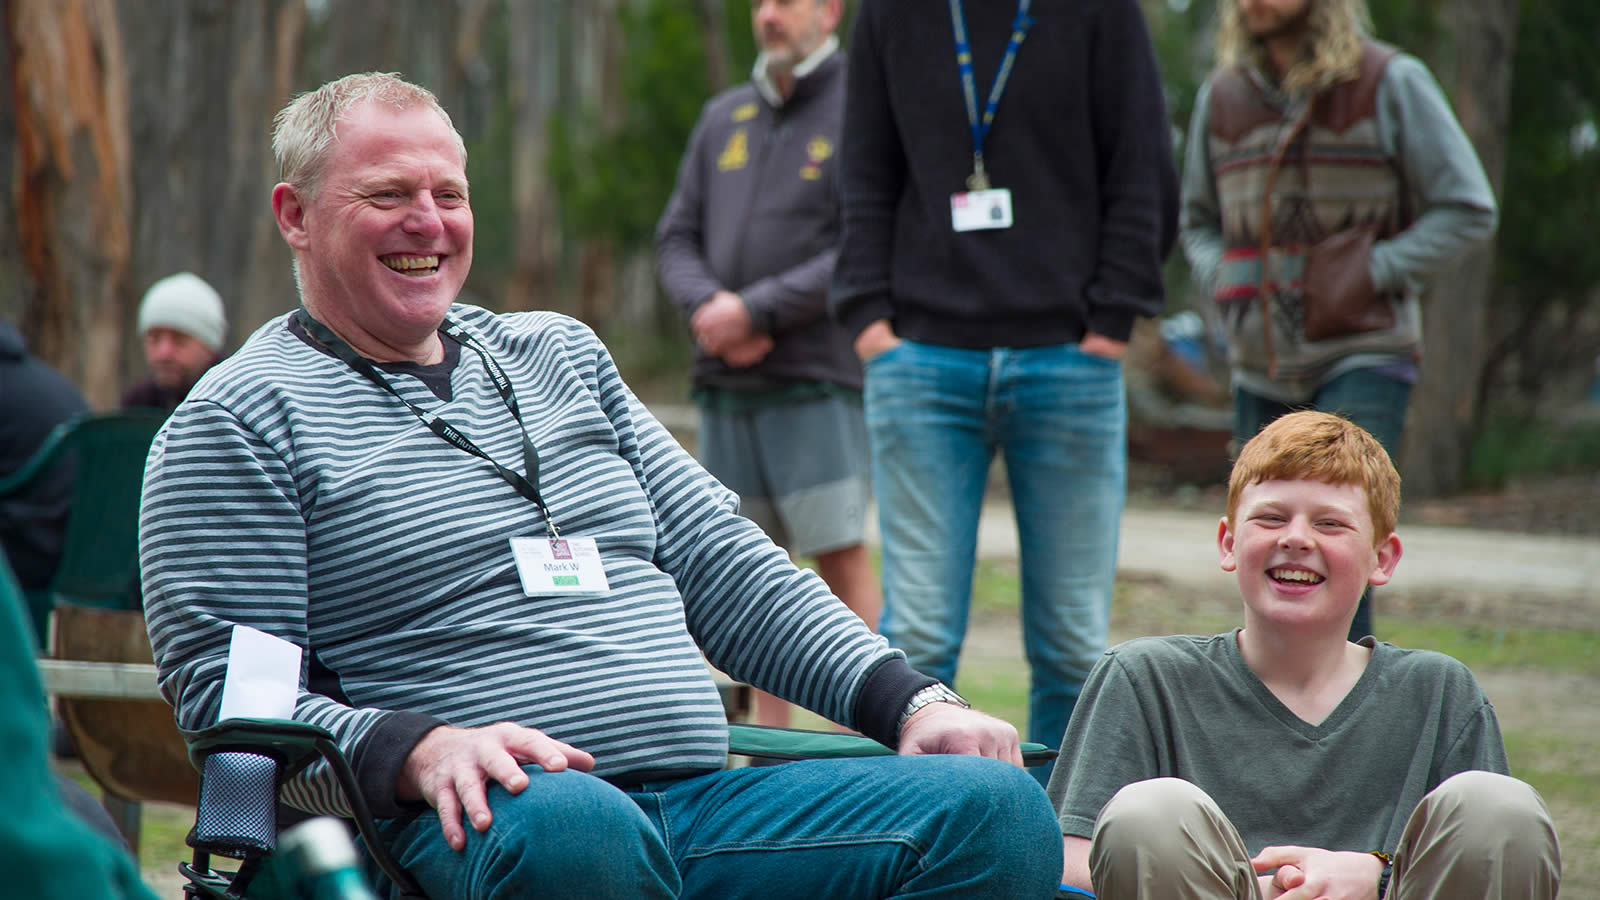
pixel 549 566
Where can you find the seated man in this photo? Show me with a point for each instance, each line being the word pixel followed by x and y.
pixel 1280 760
pixel 502 571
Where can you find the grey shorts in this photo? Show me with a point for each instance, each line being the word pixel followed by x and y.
pixel 802 471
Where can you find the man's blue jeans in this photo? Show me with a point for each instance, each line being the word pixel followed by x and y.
pixel 936 417
pixel 1367 397
pixel 922 826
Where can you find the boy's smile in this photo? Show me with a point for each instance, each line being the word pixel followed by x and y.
pixel 1304 551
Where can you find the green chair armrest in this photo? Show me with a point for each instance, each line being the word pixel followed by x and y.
pixel 293 744
pixel 798 743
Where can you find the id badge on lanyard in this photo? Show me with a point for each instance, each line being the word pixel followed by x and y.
pixel 550 566
pixel 983 206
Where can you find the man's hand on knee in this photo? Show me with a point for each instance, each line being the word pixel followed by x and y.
pixel 947 728
pixel 450 768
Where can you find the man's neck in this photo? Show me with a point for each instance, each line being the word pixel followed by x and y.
pixel 427 350
pixel 778 84
pixel 783 80
pixel 1283 51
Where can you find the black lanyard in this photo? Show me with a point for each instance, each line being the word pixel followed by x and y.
pixel 979 181
pixel 526 486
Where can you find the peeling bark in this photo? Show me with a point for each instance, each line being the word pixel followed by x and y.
pixel 72 189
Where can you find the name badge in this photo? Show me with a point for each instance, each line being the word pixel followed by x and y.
pixel 980 210
pixel 559 566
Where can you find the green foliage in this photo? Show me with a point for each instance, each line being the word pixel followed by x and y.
pixel 614 179
pixel 1510 446
pixel 1552 179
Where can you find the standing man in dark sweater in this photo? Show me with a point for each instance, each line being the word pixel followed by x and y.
pixel 746 248
pixel 1001 233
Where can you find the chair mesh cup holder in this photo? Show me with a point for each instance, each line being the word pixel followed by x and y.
pixel 237 814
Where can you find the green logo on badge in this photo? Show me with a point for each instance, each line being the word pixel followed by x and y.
pixel 565 581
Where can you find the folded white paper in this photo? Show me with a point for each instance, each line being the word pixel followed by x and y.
pixel 263 676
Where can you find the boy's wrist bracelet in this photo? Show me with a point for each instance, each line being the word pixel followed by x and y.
pixel 1383 876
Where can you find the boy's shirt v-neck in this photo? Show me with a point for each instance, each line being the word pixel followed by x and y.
pixel 1187 707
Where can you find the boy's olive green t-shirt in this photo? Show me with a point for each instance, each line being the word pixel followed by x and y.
pixel 1188 707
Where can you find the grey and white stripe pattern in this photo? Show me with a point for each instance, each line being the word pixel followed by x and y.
pixel 290 494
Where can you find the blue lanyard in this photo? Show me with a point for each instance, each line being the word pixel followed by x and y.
pixel 969 86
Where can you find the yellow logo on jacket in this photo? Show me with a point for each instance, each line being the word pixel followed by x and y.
pixel 744 112
pixel 736 155
pixel 818 149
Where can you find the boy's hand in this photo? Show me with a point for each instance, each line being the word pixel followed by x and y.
pixel 1311 873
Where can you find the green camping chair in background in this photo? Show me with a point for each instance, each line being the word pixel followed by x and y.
pixel 245 760
pixel 131 748
pixel 100 558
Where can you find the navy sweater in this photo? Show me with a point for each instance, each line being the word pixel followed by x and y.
pixel 1081 139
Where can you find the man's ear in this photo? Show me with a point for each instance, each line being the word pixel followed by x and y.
pixel 290 213
pixel 1388 557
pixel 1225 546
pixel 832 12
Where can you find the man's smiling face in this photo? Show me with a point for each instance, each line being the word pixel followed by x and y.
pixel 387 238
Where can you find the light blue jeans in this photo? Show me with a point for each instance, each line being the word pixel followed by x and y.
pixel 936 416
pixel 925 827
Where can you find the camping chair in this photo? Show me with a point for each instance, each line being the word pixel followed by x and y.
pixel 245 760
pixel 100 559
pixel 131 748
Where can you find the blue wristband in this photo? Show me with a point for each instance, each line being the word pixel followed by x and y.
pixel 1070 891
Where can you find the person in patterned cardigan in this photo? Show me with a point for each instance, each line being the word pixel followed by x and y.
pixel 1307 130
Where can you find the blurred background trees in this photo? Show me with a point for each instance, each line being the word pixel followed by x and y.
pixel 137 145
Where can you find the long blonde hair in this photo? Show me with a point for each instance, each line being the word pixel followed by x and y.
pixel 1335 32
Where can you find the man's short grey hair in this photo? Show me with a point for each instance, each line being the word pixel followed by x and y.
pixel 303 131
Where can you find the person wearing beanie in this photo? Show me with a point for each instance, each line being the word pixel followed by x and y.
pixel 182 323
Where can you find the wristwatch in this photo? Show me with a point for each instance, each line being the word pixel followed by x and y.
pixel 933 693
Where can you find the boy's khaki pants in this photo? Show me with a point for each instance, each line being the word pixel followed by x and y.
pixel 1476 835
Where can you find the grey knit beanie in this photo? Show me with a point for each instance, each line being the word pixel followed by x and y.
pixel 184 302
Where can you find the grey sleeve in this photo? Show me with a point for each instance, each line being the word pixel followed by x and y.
pixel 1110 742
pixel 680 259
pixel 1455 206
pixel 792 298
pixel 1200 215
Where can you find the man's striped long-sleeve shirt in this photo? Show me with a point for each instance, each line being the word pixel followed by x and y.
pixel 290 494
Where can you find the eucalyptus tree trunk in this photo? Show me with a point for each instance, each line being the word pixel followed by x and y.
pixel 594 81
pixel 713 33
pixel 206 80
pixel 534 88
pixel 70 187
pixel 1474 63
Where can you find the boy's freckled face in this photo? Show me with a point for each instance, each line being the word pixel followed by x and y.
pixel 1304 552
